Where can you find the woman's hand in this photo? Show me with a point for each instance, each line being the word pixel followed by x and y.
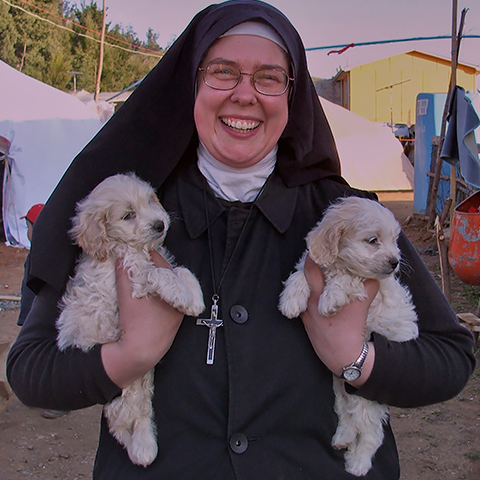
pixel 148 328
pixel 338 340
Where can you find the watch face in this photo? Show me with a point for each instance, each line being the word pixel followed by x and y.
pixel 350 374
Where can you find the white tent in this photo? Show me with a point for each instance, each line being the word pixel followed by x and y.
pixel 370 155
pixel 43 129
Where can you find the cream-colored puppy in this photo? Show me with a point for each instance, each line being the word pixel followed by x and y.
pixel 356 240
pixel 122 219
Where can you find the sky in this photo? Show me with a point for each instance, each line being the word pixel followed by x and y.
pixel 326 22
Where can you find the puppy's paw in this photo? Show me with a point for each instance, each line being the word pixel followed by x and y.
pixel 357 464
pixel 332 300
pixel 328 306
pixel 196 305
pixel 195 308
pixel 173 289
pixel 343 438
pixel 327 310
pixel 294 297
pixel 143 450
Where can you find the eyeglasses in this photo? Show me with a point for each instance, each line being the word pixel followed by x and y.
pixel 267 81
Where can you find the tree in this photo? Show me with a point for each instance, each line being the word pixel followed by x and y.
pixel 30 44
pixel 152 38
pixel 46 50
pixel 8 36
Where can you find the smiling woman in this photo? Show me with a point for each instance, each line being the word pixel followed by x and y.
pixel 239 125
pixel 246 167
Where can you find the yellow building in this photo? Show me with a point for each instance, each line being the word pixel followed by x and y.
pixel 386 90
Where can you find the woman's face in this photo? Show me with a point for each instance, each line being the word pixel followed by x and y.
pixel 240 126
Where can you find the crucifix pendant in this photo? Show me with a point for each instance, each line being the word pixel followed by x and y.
pixel 212 323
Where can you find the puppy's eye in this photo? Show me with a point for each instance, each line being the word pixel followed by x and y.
pixel 129 216
pixel 372 240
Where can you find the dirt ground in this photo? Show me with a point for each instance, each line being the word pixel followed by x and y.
pixel 435 443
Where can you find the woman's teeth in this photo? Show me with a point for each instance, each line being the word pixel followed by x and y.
pixel 241 125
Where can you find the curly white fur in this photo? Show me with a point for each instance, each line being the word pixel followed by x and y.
pixel 356 240
pixel 122 219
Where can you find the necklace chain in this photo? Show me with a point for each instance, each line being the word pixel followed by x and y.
pixel 216 289
pixel 214 322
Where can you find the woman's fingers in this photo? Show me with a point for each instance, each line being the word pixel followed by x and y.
pixel 337 339
pixel 148 327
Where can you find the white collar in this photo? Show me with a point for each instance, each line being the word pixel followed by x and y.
pixel 235 184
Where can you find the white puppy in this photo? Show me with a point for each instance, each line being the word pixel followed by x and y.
pixel 122 219
pixel 356 240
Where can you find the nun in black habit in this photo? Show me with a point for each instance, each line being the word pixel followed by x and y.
pixel 264 408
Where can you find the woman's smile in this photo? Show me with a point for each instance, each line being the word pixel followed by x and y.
pixel 240 125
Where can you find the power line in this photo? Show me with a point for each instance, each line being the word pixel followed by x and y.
pixel 378 42
pixel 66 20
pixel 82 34
pixel 154 54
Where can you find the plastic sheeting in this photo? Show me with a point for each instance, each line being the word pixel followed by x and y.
pixel 371 156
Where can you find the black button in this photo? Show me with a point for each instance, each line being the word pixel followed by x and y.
pixel 239 314
pixel 238 442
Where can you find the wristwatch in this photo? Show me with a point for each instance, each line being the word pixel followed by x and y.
pixel 354 370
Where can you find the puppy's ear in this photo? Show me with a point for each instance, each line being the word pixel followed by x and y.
pixel 323 241
pixel 89 230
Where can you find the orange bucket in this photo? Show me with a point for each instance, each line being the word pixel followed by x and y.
pixel 464 249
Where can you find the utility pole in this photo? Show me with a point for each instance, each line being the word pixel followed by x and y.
pixel 100 57
pixel 20 68
pixel 75 78
pixel 391 98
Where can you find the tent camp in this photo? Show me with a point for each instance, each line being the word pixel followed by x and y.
pixel 370 155
pixel 41 131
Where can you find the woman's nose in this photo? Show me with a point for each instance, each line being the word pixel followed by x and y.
pixel 244 92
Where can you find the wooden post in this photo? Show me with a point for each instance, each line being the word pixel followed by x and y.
pixel 100 57
pixel 20 68
pixel 443 249
pixel 453 82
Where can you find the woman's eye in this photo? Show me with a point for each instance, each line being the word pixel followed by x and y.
pixel 223 71
pixel 269 76
pixel 129 216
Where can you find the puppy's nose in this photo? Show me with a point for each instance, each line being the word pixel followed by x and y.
pixel 159 226
pixel 394 263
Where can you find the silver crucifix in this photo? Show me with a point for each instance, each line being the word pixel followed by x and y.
pixel 212 323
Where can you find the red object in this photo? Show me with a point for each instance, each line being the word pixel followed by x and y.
pixel 34 212
pixel 464 249
pixel 342 50
pixel 4 145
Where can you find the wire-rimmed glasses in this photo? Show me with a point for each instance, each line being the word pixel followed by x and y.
pixel 267 81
